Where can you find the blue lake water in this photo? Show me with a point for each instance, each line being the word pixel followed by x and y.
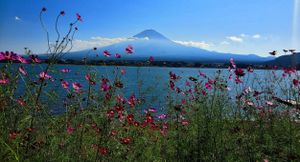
pixel 150 83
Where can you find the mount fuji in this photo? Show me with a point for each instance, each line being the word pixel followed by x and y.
pixel 152 43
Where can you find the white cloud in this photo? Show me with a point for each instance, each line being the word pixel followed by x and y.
pixel 235 39
pixel 225 43
pixel 256 36
pixel 99 42
pixel 17 18
pixel 201 44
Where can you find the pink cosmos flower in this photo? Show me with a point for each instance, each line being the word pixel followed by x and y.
pixel 187 83
pixel 35 59
pixel 64 84
pixel 185 122
pixel 4 81
pixel 295 82
pixel 172 85
pixel 238 80
pixel 89 79
pixel 208 86
pixel 22 59
pixel 70 130
pixel 104 85
pixel 106 53
pixel 239 72
pixel 172 76
pixel 78 16
pixel 202 74
pixel 22 70
pixel 77 86
pixel 123 71
pixel 65 70
pixel 9 56
pixel 129 49
pixel 269 103
pixel 132 101
pixel 151 58
pixel 152 110
pixel 120 99
pixel 204 92
pixel 117 55
pixel 43 75
pixel 232 63
pixel 21 102
pixel 161 116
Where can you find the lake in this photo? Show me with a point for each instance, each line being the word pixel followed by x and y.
pixel 150 83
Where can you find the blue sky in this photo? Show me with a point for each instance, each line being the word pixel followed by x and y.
pixel 247 26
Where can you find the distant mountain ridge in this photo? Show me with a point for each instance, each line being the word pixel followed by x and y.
pixel 152 43
pixel 286 60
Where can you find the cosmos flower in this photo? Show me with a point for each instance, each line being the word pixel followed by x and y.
pixel 239 72
pixel 77 86
pixel 151 58
pixel 117 55
pixel 78 16
pixel 22 70
pixel 295 82
pixel 70 130
pixel 126 140
pixel 64 84
pixel 106 53
pixel 65 70
pixel 129 49
pixel 44 75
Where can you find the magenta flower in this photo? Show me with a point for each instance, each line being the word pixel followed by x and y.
pixel 22 70
pixel 152 110
pixel 295 82
pixel 89 79
pixel 269 103
pixel 4 81
pixel 151 58
pixel 70 130
pixel 129 49
pixel 104 85
pixel 123 71
pixel 172 85
pixel 239 72
pixel 21 102
pixel 35 59
pixel 232 63
pixel 64 84
pixel 187 83
pixel 22 59
pixel 43 75
pixel 238 80
pixel 161 116
pixel 65 70
pixel 208 85
pixel 78 16
pixel 202 74
pixel 173 76
pixel 9 56
pixel 106 53
pixel 77 86
pixel 184 122
pixel 117 55
pixel 132 101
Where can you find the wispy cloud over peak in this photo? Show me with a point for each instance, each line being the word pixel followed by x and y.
pixel 235 39
pixel 201 44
